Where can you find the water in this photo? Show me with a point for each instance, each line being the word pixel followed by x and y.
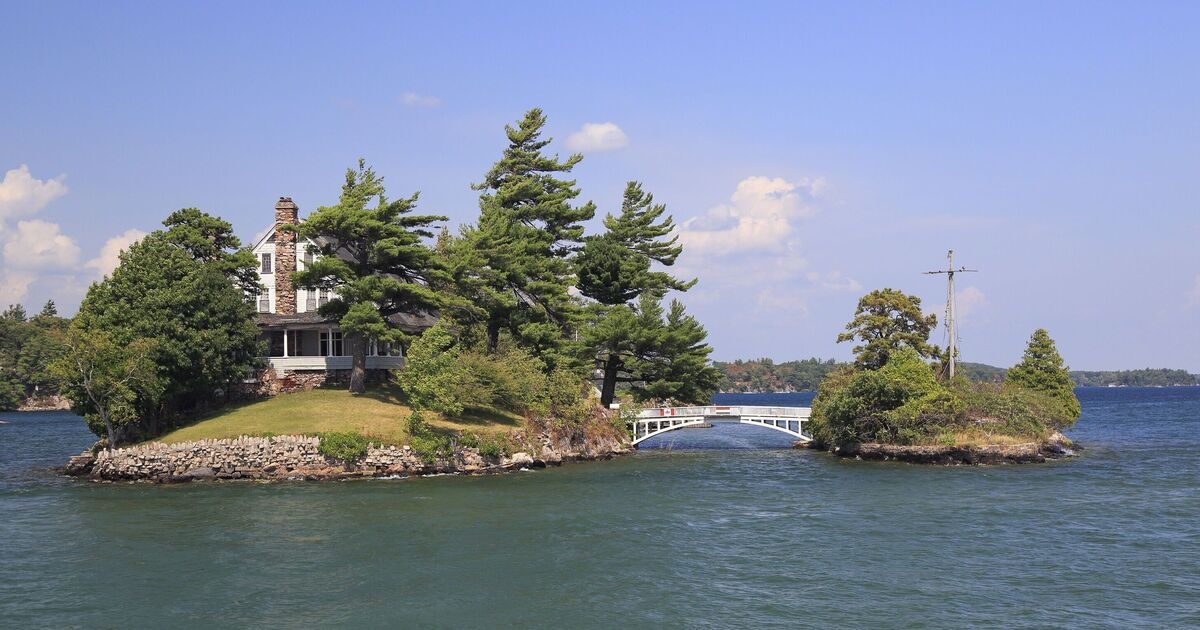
pixel 682 535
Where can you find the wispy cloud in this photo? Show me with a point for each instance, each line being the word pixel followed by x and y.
pixel 749 250
pixel 969 304
pixel 597 137
pixel 412 99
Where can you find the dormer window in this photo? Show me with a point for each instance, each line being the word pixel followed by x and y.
pixel 266 263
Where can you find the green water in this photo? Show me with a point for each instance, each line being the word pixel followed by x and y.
pixel 697 537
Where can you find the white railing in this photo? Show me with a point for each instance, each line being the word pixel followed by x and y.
pixel 283 365
pixel 717 411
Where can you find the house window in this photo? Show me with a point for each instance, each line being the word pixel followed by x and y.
pixel 266 263
pixel 308 257
pixel 310 303
pixel 324 298
pixel 264 300
pixel 335 340
pixel 384 349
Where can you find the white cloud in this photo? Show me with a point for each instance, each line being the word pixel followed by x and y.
pixel 968 303
pixel 14 285
pixel 39 245
pixel 749 252
pixel 110 254
pixel 22 195
pixel 760 217
pixel 597 137
pixel 412 99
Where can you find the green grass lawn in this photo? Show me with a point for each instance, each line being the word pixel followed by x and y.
pixel 379 414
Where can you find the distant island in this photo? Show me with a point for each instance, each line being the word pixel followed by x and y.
pixel 765 375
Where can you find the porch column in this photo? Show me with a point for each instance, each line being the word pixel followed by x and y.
pixel 285 348
pixel 329 342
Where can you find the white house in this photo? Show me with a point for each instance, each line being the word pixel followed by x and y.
pixel 299 341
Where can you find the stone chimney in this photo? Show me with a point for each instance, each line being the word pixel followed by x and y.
pixel 286 213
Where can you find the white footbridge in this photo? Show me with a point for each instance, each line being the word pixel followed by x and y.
pixel 658 420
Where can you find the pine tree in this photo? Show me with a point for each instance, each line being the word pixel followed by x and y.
pixel 886 320
pixel 515 263
pixel 1042 369
pixel 375 260
pixel 614 269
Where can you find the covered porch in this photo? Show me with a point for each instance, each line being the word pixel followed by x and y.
pixel 299 345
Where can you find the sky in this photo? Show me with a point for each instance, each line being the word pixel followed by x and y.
pixel 809 152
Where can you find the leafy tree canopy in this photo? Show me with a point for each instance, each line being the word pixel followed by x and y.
pixel 180 295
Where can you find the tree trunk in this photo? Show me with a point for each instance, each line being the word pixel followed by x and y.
pixel 608 389
pixel 493 337
pixel 358 371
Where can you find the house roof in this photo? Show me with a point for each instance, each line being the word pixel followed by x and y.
pixel 407 322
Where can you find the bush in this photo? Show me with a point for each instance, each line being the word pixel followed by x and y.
pixel 432 376
pixel 347 446
pixel 427 443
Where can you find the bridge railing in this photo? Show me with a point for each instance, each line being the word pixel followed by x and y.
pixel 724 410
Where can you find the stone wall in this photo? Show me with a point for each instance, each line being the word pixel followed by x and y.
pixel 298 457
pixel 268 384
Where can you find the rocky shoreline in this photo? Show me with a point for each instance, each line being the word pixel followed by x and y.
pixel 45 403
pixel 1058 446
pixel 296 458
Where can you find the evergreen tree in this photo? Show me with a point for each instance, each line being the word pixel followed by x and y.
pixel 674 362
pixel 514 263
pixel 49 310
pixel 375 260
pixel 1042 369
pixel 886 320
pixel 615 268
pixel 14 313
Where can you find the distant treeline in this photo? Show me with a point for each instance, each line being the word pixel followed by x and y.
pixel 1147 377
pixel 27 346
pixel 765 375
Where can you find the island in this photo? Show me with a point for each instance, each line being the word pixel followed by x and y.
pixel 901 400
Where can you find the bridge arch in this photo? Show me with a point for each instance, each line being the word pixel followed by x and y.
pixel 657 421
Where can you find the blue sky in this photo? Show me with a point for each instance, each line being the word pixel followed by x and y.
pixel 810 152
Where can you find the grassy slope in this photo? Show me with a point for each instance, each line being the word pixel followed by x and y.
pixel 379 414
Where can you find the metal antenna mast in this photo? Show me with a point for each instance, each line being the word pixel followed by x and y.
pixel 951 325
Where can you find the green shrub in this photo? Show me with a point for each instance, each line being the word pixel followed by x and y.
pixel 427 443
pixel 347 446
pixel 432 376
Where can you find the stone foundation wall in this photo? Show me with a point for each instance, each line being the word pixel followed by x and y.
pixel 269 384
pixel 298 457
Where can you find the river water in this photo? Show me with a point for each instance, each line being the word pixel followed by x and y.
pixel 713 528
